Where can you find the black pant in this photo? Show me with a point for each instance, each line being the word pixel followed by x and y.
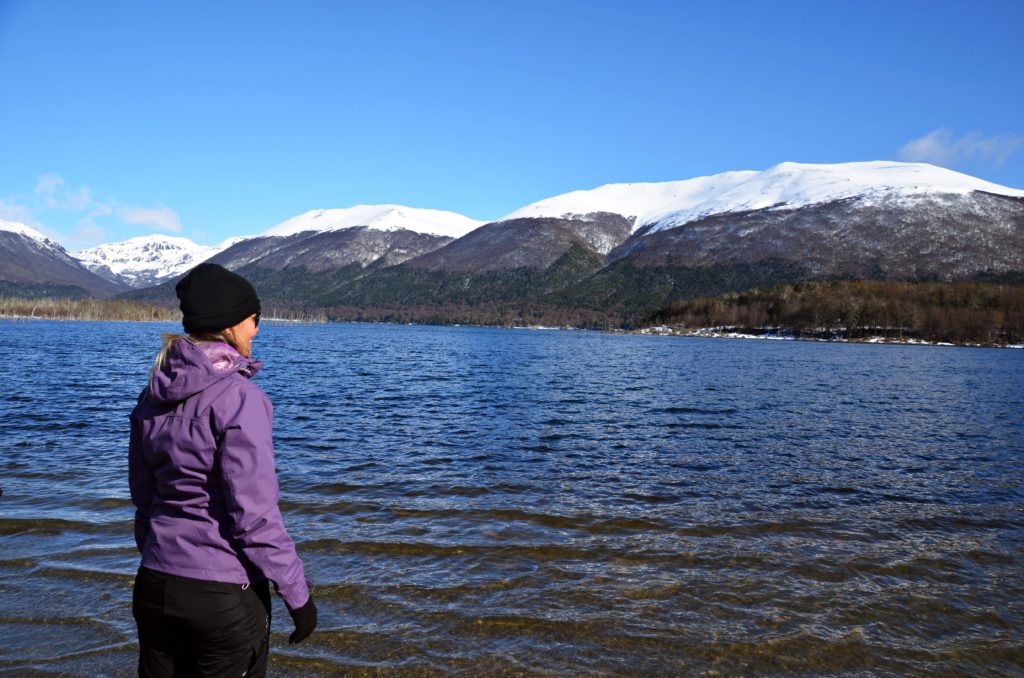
pixel 190 627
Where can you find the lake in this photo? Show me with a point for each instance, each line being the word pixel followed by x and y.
pixel 476 501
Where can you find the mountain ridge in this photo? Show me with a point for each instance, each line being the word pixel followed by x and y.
pixel 146 259
pixel 626 249
pixel 33 265
pixel 382 217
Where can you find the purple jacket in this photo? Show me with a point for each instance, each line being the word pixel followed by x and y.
pixel 201 471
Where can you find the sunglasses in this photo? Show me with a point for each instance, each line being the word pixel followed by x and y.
pixel 256 319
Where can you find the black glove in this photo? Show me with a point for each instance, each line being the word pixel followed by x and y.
pixel 305 621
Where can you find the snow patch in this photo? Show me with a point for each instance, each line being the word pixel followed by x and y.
pixel 41 241
pixel 378 217
pixel 787 185
pixel 22 229
pixel 149 256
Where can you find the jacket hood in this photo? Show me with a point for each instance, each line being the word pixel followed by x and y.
pixel 191 368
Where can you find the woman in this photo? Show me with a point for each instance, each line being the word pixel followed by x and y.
pixel 201 470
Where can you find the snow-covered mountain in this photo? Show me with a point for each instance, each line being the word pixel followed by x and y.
pixel 862 220
pixel 874 220
pixel 148 259
pixel 30 233
pixel 643 244
pixel 793 185
pixel 788 185
pixel 151 259
pixel 378 218
pixel 22 229
pixel 32 264
pixel 327 248
pixel 323 239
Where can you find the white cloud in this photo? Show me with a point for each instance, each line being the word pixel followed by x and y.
pixel 49 183
pixel 82 201
pixel 52 192
pixel 941 147
pixel 88 233
pixel 163 218
pixel 47 187
pixel 14 212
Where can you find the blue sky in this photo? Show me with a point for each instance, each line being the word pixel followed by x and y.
pixel 215 119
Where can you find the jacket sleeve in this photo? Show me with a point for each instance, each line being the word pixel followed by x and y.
pixel 141 482
pixel 246 452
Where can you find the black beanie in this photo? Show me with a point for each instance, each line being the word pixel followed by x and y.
pixel 213 298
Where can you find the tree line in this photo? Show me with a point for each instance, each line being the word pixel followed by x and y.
pixel 85 308
pixel 961 313
pixel 486 313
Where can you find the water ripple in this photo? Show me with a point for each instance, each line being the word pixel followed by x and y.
pixel 473 501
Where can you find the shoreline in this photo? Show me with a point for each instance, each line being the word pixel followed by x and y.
pixel 263 319
pixel 782 335
pixel 657 331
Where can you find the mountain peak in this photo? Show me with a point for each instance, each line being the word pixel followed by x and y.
pixel 378 217
pixel 159 239
pixel 22 229
pixel 887 174
pixel 145 259
pixel 788 184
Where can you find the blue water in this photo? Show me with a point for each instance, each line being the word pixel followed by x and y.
pixel 510 502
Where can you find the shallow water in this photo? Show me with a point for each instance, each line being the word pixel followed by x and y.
pixel 510 502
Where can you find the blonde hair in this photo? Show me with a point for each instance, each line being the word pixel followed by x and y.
pixel 199 338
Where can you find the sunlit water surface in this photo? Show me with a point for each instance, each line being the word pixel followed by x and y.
pixel 511 502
